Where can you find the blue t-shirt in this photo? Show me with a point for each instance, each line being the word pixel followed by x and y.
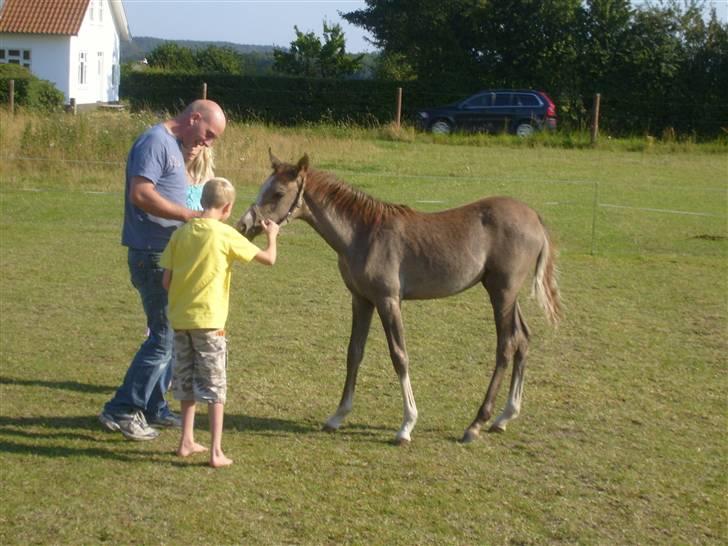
pixel 156 156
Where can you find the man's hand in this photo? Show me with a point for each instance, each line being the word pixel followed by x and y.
pixel 144 195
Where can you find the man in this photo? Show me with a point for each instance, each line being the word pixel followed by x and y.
pixel 154 206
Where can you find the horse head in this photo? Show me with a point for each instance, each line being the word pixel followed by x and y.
pixel 280 197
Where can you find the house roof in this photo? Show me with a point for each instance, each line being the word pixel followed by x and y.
pixel 62 17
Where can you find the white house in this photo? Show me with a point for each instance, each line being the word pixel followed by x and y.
pixel 72 43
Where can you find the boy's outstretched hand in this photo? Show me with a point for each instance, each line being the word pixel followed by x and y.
pixel 270 227
pixel 268 256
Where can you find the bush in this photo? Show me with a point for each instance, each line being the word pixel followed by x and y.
pixel 30 91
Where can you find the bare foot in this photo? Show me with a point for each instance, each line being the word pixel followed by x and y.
pixel 185 450
pixel 219 460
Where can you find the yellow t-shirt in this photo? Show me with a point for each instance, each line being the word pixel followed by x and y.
pixel 200 255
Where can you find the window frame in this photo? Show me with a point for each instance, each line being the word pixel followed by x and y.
pixel 19 56
pixel 82 67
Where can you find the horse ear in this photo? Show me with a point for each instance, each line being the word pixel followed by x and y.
pixel 274 161
pixel 303 164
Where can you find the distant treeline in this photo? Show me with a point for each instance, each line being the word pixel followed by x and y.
pixel 250 60
pixel 141 46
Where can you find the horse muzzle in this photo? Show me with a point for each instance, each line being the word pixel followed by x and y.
pixel 249 224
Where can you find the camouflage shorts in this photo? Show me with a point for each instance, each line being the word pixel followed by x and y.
pixel 198 372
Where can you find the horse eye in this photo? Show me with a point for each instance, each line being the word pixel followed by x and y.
pixel 278 194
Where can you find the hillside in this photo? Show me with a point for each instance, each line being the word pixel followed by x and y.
pixel 258 58
pixel 142 45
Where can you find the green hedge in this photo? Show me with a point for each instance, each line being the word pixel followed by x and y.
pixel 288 101
pixel 30 91
pixel 280 99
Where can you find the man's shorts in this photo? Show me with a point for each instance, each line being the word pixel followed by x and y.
pixel 198 372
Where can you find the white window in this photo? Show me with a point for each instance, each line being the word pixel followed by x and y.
pixel 96 10
pixel 100 63
pixel 82 66
pixel 15 56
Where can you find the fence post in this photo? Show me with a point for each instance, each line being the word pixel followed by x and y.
pixel 72 106
pixel 11 96
pixel 595 118
pixel 204 90
pixel 398 118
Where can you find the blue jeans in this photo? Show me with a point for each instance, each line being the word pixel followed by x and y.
pixel 150 372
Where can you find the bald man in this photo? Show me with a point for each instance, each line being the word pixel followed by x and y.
pixel 154 206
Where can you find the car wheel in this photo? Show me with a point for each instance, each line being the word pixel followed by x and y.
pixel 441 127
pixel 525 129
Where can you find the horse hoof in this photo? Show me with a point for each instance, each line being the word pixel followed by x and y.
pixel 468 437
pixel 401 442
pixel 497 428
pixel 328 428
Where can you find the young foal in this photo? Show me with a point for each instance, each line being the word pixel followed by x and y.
pixel 389 253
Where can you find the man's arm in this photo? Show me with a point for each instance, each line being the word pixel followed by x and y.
pixel 166 279
pixel 144 195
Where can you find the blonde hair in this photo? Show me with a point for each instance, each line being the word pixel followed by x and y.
pixel 201 167
pixel 217 193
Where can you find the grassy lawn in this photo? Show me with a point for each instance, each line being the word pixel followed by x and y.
pixel 622 435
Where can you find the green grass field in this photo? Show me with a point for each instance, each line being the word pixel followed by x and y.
pixel 622 435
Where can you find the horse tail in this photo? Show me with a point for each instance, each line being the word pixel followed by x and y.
pixel 545 287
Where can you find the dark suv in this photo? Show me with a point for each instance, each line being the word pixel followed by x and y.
pixel 513 110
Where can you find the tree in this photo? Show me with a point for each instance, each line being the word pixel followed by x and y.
pixel 210 60
pixel 308 57
pixel 428 36
pixel 474 42
pixel 393 66
pixel 302 58
pixel 334 62
pixel 221 60
pixel 171 56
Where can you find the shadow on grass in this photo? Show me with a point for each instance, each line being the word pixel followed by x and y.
pixel 281 427
pixel 63 429
pixel 21 424
pixel 65 451
pixel 16 431
pixel 89 428
pixel 248 423
pixel 59 436
pixel 64 385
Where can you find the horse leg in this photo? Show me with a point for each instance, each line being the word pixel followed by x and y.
pixel 515 395
pixel 504 302
pixel 391 317
pixel 361 320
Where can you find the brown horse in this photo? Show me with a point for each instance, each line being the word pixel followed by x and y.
pixel 389 253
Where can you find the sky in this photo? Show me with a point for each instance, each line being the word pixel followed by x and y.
pixel 256 22
pixel 259 22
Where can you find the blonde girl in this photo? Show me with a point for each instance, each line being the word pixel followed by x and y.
pixel 200 169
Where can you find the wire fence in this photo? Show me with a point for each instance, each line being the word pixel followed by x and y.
pixel 585 215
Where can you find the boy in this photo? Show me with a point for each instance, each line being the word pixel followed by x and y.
pixel 197 267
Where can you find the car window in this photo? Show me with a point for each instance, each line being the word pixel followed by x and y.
pixel 502 99
pixel 479 101
pixel 524 99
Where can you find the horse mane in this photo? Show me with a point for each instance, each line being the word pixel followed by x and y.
pixel 326 188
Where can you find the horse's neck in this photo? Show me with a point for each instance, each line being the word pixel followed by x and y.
pixel 332 224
